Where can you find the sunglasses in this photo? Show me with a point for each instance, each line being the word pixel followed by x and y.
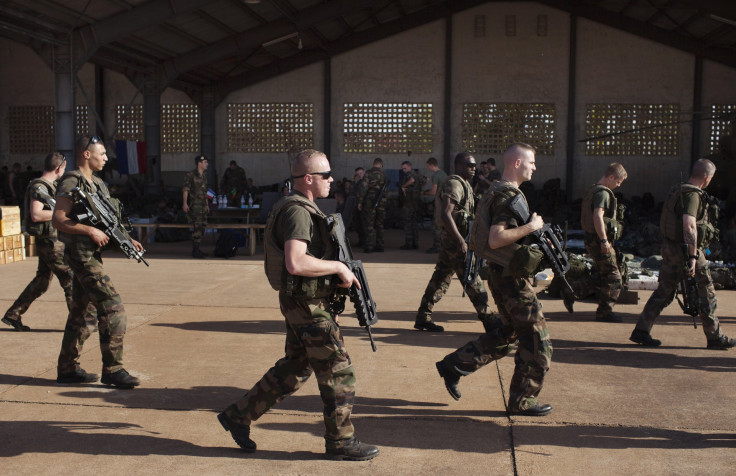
pixel 324 175
pixel 92 140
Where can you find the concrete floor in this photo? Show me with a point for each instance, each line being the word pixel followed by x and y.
pixel 200 333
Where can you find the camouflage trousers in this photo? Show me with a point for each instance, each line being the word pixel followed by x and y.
pixel 313 344
pixel 606 277
pixel 410 215
pixel 521 322
pixel 93 286
pixel 372 222
pixel 198 219
pixel 50 263
pixel 450 261
pixel 670 275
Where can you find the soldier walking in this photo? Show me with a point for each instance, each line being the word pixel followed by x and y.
pixel 454 211
pixel 83 248
pixel 687 229
pixel 37 215
pixel 295 235
pixel 497 235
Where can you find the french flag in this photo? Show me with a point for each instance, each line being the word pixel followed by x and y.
pixel 131 157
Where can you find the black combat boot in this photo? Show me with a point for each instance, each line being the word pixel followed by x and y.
pixel 451 378
pixel 644 338
pixel 240 433
pixel 197 253
pixel 78 376
pixel 537 409
pixel 16 324
pixel 120 379
pixel 352 450
pixel 721 343
pixel 428 325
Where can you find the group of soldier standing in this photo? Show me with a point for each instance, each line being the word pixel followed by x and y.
pixel 300 265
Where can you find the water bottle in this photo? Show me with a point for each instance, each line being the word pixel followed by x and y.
pixel 242 201
pixel 250 201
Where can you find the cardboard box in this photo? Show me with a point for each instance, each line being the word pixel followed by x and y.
pixel 8 256
pixel 19 254
pixel 31 251
pixel 10 226
pixel 8 242
pixel 30 239
pixel 2 257
pixel 2 244
pixel 18 241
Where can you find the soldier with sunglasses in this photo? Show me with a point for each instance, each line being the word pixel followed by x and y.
pixel 299 265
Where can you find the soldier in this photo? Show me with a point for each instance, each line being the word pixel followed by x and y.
pixel 437 178
pixel 599 218
pixel 497 234
pixel 37 217
pixel 295 237
pixel 410 190
pixel 195 191
pixel 373 214
pixel 357 189
pixel 83 246
pixel 233 184
pixel 454 210
pixel 685 225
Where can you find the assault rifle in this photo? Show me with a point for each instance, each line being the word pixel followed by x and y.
pixel 365 306
pixel 46 197
pixel 548 239
pixel 381 192
pixel 98 211
pixel 473 262
pixel 688 289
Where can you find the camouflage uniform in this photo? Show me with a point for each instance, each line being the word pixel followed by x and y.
pixel 313 339
pixel 672 270
pixel 438 178
pixel 372 218
pixel 606 277
pixel 91 285
pixel 450 259
pixel 233 184
pixel 196 184
pixel 410 209
pixel 50 256
pixel 521 321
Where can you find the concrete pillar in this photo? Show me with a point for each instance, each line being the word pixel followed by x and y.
pixel 571 107
pixel 152 131
pixel 327 105
pixel 447 164
pixel 207 137
pixel 64 102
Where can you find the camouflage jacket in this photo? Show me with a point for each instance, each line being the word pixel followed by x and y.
pixel 196 184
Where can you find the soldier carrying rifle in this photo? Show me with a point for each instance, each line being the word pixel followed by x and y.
pixel 83 247
pixel 686 224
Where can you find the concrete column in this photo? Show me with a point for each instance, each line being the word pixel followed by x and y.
pixel 64 102
pixel 327 105
pixel 207 136
pixel 695 146
pixel 447 164
pixel 571 108
pixel 152 130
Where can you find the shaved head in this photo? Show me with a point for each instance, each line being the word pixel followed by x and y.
pixel 306 161
pixel 703 168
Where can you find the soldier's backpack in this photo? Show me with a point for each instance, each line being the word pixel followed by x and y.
pixel 226 245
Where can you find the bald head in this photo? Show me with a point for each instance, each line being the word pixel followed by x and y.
pixel 306 162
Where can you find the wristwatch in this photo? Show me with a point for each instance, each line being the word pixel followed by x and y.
pixel 604 240
pixel 695 257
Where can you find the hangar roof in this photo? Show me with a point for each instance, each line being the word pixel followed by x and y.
pixel 225 45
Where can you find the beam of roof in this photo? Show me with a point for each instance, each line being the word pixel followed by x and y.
pixel 255 37
pixel 721 8
pixel 342 45
pixel 89 38
pixel 644 30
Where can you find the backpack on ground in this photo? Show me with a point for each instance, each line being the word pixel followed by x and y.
pixel 226 245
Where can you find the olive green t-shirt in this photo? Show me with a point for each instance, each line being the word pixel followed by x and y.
pixel 601 199
pixel 296 223
pixel 690 204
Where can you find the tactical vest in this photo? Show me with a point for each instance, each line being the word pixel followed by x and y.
pixel 670 223
pixel 38 228
pixel 463 211
pixel 274 264
pixel 610 222
pixel 82 242
pixel 482 225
